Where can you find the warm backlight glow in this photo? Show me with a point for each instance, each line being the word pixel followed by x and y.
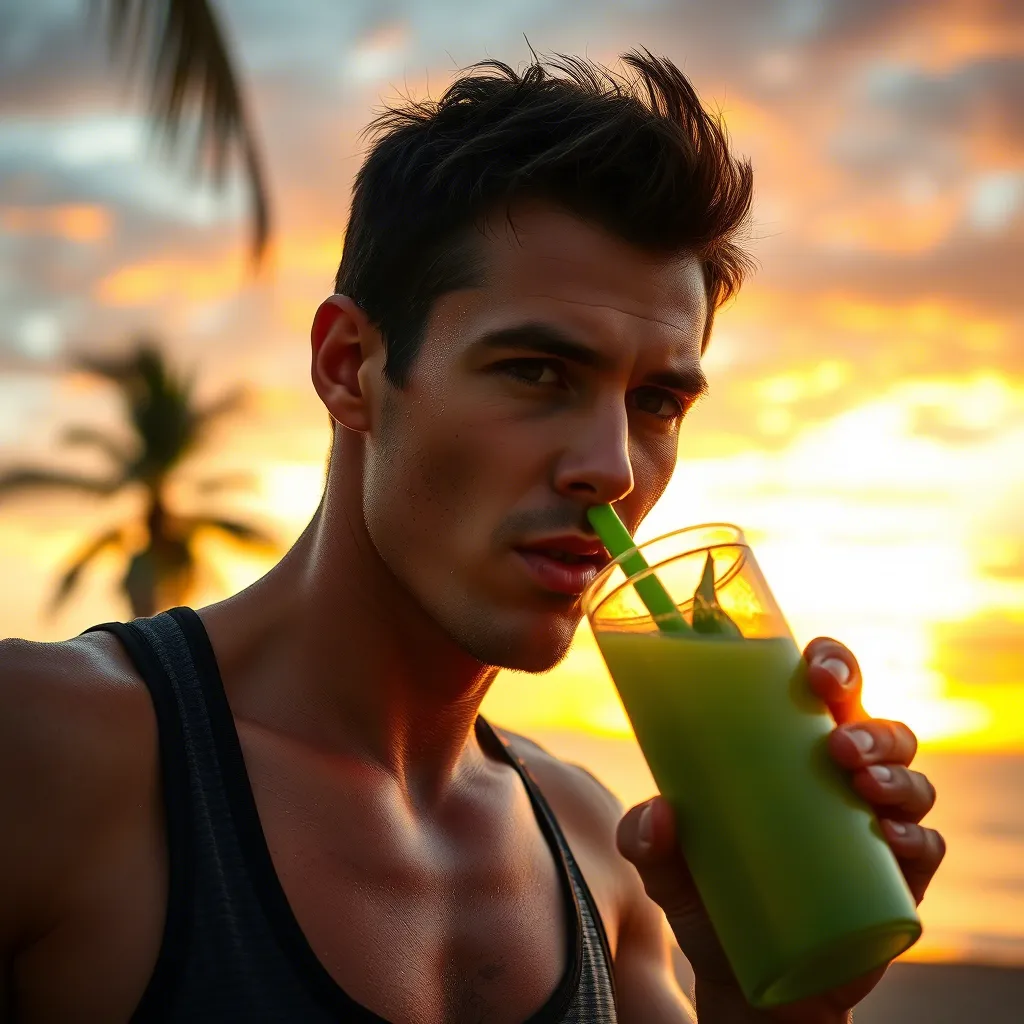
pixel 872 529
pixel 78 222
pixel 865 420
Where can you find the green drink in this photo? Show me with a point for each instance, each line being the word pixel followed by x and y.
pixel 803 891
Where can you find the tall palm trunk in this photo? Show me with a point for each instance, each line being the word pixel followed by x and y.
pixel 161 574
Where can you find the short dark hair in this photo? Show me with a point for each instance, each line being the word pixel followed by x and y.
pixel 636 154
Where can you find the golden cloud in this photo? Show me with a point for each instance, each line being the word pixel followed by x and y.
pixel 888 224
pixel 944 44
pixel 77 222
pixel 174 280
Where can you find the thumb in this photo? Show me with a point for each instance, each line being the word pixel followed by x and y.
pixel 646 837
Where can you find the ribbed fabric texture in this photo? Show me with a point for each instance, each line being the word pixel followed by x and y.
pixel 232 949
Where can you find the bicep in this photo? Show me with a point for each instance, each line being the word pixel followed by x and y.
pixel 645 981
pixel 43 773
pixel 17 771
pixel 6 992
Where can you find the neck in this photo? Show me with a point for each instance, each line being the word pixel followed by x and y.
pixel 331 650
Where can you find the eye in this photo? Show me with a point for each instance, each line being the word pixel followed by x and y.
pixel 657 402
pixel 532 371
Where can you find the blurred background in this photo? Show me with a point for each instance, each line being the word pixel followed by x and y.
pixel 160 441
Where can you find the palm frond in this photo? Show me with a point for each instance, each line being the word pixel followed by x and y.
pixel 234 401
pixel 71 576
pixel 114 449
pixel 163 412
pixel 159 402
pixel 226 482
pixel 116 368
pixel 161 406
pixel 190 65
pixel 22 480
pixel 247 533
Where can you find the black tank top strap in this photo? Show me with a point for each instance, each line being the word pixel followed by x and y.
pixel 221 959
pixel 598 977
pixel 177 803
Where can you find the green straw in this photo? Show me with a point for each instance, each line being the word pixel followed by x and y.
pixel 615 537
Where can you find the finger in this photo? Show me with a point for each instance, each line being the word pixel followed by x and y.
pixel 647 838
pixel 895 792
pixel 918 850
pixel 872 741
pixel 834 675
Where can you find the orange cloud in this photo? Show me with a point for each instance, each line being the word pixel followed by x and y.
pixel 888 225
pixel 305 254
pixel 75 222
pixel 927 319
pixel 178 280
pixel 948 43
pixel 201 278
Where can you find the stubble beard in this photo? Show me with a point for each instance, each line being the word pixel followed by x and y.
pixel 514 648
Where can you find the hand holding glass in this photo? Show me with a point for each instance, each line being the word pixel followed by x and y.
pixel 802 889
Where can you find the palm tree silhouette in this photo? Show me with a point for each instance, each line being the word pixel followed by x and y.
pixel 168 427
pixel 189 66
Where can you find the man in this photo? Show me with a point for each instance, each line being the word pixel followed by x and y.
pixel 286 807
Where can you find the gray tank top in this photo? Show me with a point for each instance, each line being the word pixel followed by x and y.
pixel 232 949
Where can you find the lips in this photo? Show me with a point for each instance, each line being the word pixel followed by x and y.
pixel 563 565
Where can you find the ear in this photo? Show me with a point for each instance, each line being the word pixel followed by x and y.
pixel 345 344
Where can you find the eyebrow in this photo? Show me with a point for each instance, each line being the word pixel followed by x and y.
pixel 549 340
pixel 690 382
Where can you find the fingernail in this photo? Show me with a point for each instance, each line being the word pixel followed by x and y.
pixel 839 669
pixel 898 827
pixel 882 772
pixel 645 828
pixel 862 740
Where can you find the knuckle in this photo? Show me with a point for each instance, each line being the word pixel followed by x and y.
pixel 899 788
pixel 885 740
pixel 909 736
pixel 918 785
pixel 903 738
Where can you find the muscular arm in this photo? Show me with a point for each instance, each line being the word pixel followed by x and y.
pixel 66 777
pixel 28 845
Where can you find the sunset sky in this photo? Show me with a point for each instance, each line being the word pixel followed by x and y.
pixel 866 417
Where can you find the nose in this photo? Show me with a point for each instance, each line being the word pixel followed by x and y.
pixel 595 464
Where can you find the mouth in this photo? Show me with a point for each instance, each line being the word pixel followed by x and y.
pixel 563 565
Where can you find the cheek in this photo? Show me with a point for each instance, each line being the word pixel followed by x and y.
pixel 449 474
pixel 653 464
pixel 433 486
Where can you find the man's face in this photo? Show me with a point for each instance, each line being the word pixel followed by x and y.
pixel 557 385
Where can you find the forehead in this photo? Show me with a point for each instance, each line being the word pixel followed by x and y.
pixel 542 259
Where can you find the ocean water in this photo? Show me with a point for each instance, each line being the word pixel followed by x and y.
pixel 974 910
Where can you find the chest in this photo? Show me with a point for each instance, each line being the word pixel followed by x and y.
pixel 415 928
pixel 416 925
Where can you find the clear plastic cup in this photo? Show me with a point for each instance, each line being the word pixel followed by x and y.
pixel 802 889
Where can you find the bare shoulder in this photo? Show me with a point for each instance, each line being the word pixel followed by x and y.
pixel 77 745
pixel 63 704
